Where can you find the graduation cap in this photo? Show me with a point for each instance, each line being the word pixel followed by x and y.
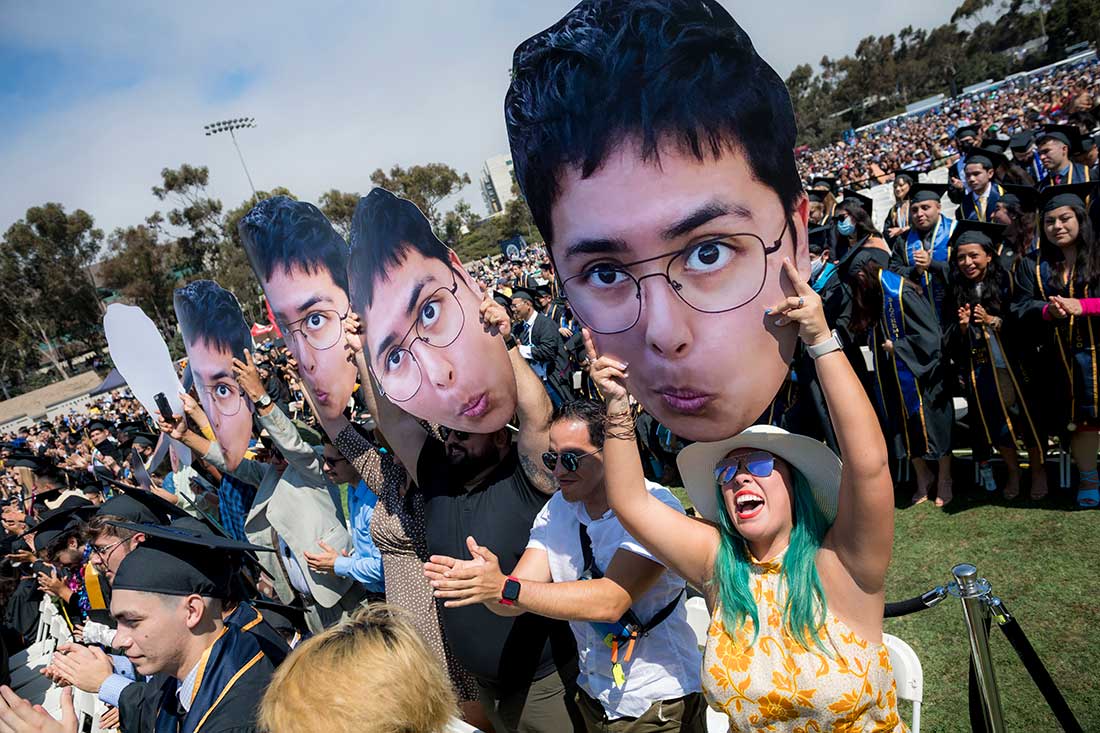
pixel 858 256
pixel 1067 134
pixel 996 144
pixel 146 439
pixel 193 532
pixel 503 299
pixel 927 192
pixel 829 183
pixel 543 290
pixel 285 619
pixel 977 232
pixel 865 202
pixel 910 174
pixel 989 159
pixel 1085 143
pixel 1021 141
pixel 525 294
pixel 174 561
pixel 819 239
pixel 1026 197
pixel 817 195
pixel 96 425
pixel 1071 194
pixel 45 425
pixel 139 506
pixel 57 522
pixel 967 131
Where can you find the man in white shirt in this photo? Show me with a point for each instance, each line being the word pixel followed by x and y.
pixel 582 566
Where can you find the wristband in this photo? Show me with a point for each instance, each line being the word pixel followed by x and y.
pixel 510 342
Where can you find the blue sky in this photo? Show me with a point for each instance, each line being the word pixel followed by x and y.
pixel 99 97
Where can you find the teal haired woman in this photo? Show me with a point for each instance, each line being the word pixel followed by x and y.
pixel 793 556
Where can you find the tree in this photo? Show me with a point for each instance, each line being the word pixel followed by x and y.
pixel 51 299
pixel 198 214
pixel 339 207
pixel 424 185
pixel 138 269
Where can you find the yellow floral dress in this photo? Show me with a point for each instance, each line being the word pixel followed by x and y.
pixel 776 685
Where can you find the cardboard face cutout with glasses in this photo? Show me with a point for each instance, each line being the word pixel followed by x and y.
pixel 668 208
pixel 423 340
pixel 300 261
pixel 214 333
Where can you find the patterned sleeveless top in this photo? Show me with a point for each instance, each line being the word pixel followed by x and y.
pixel 776 685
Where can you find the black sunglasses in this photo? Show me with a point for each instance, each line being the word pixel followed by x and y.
pixel 569 459
pixel 459 434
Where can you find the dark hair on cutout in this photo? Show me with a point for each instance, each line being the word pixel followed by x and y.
pixel 209 313
pixel 653 70
pixel 592 413
pixel 282 232
pixel 383 228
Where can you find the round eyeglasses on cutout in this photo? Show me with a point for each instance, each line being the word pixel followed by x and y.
pixel 713 276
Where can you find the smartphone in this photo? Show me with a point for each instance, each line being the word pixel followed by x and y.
pixel 163 406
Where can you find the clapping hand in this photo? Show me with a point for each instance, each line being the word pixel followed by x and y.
pixel 466 582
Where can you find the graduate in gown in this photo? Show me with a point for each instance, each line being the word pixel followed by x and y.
pixel 1056 144
pixel 1026 168
pixel 1016 211
pixel 922 255
pixel 1058 299
pixel 910 390
pixel 980 169
pixel 988 350
pixel 966 137
pixel 168 597
pixel 897 219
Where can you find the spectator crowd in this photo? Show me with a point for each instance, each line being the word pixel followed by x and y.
pixel 378 564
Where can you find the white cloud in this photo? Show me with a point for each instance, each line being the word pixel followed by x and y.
pixel 338 92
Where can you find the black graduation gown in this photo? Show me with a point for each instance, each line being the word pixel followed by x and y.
pixel 21 614
pixel 235 672
pixel 1077 173
pixel 1065 348
pixel 909 390
pixel 999 383
pixel 898 216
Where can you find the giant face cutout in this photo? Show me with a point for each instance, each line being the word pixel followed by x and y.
pixel 704 359
pixel 301 263
pixel 423 341
pixel 214 332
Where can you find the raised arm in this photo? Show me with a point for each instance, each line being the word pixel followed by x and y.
pixel 684 545
pixel 533 406
pixel 297 452
pixel 863 534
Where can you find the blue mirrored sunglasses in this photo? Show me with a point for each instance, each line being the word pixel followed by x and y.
pixel 758 463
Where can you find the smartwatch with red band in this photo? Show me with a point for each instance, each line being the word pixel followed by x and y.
pixel 510 593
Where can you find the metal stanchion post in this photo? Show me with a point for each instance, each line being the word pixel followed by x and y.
pixel 973 592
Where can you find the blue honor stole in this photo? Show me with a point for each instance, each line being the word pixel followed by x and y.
pixel 222 665
pixel 892 327
pixel 1036 168
pixel 934 287
pixel 960 170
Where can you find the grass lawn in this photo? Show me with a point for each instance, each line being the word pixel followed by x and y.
pixel 1041 559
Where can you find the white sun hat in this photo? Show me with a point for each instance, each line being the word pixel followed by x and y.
pixel 810 457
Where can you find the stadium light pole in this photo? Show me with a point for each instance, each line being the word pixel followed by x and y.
pixel 231 126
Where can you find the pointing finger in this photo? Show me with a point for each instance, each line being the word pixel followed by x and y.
pixel 800 285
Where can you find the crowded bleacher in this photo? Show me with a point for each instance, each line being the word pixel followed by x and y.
pixel 435 495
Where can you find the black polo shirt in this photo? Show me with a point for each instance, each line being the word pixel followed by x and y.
pixel 501 651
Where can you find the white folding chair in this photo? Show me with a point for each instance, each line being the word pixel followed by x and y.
pixel 908 675
pixel 698 619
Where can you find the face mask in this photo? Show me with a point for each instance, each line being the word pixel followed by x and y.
pixel 816 265
pixel 845 227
